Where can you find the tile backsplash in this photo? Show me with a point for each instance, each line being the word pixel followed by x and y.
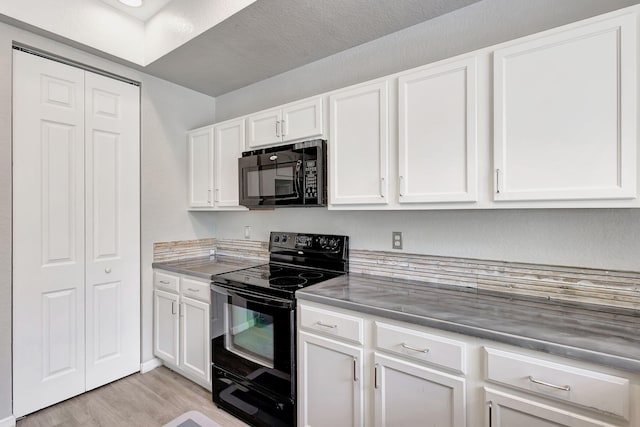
pixel 602 287
pixel 182 249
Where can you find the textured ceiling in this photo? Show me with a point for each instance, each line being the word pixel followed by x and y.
pixel 273 36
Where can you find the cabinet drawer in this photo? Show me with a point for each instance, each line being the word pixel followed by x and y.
pixel 166 281
pixel 332 323
pixel 196 289
pixel 420 346
pixel 560 382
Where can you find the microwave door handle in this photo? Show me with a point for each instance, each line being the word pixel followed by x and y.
pixel 297 185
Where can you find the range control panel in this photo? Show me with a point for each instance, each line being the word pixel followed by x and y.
pixel 310 180
pixel 315 242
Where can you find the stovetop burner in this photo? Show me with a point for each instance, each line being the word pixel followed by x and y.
pixel 310 275
pixel 288 282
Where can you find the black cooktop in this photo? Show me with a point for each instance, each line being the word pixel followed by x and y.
pixel 296 260
pixel 276 279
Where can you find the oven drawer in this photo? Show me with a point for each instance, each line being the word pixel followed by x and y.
pixel 332 323
pixel 420 346
pixel 165 281
pixel 561 382
pixel 196 289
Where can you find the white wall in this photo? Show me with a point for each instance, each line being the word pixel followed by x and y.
pixel 587 238
pixel 168 111
pixel 605 238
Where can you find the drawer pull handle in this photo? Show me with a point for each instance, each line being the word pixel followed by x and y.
pixel 165 282
pixel 419 350
pixel 193 290
pixel 557 387
pixel 326 325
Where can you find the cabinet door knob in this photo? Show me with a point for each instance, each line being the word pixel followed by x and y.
pixel 107 270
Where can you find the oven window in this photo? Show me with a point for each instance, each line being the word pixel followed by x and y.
pixel 250 334
pixel 271 182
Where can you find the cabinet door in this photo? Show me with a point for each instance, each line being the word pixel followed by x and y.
pixel 112 188
pixel 229 144
pixel 201 167
pixel 195 347
pixel 48 229
pixel 359 145
pixel 302 120
pixel 565 115
pixel 506 410
pixel 437 131
pixel 166 326
pixel 330 383
pixel 264 128
pixel 407 394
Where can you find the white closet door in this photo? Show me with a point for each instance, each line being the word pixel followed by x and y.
pixel 112 163
pixel 48 230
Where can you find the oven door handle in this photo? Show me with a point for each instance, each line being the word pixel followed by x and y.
pixel 251 297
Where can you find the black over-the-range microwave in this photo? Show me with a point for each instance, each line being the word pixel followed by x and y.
pixel 285 176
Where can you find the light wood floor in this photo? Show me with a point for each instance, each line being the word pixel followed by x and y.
pixel 150 399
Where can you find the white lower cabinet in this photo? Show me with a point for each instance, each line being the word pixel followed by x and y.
pixel 181 326
pixel 330 382
pixel 344 383
pixel 166 326
pixel 357 369
pixel 408 394
pixel 508 410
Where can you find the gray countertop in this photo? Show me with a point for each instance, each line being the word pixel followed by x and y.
pixel 590 333
pixel 207 267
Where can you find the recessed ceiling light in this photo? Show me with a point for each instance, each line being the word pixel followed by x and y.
pixel 132 3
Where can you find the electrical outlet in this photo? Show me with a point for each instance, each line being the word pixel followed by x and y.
pixel 396 239
pixel 247 231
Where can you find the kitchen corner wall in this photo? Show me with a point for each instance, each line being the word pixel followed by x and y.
pixel 167 112
pixel 603 238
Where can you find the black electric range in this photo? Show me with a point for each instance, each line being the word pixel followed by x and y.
pixel 253 325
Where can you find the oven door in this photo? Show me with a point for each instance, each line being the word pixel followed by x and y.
pixel 271 179
pixel 252 337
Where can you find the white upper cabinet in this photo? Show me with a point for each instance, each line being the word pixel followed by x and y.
pixel 565 114
pixel 296 121
pixel 302 120
pixel 213 165
pixel 264 128
pixel 437 145
pixel 200 146
pixel 359 145
pixel 229 144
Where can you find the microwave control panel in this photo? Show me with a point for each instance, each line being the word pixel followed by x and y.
pixel 310 179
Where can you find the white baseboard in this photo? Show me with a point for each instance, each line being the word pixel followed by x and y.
pixel 8 422
pixel 145 367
